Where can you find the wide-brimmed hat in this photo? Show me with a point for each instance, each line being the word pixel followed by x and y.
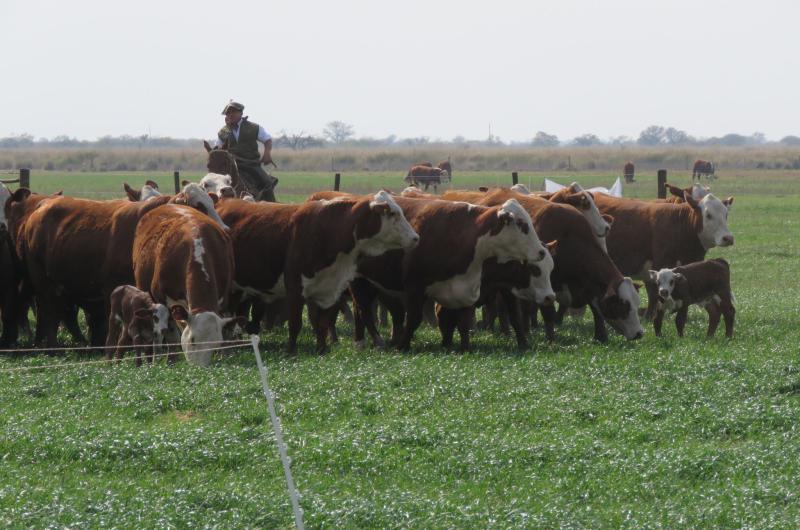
pixel 233 105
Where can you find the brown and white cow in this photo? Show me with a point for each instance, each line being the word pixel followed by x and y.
pixel 660 235
pixel 628 171
pixel 703 167
pixel 583 271
pixel 328 240
pixel 185 261
pixel 706 283
pixel 426 176
pixel 136 319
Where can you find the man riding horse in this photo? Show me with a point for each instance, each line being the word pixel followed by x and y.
pixel 241 138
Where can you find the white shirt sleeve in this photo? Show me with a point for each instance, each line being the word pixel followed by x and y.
pixel 263 135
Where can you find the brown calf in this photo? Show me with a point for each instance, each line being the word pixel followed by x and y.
pixel 136 319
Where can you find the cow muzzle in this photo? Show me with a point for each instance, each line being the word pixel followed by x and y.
pixel 727 241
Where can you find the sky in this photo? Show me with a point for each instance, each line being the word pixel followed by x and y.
pixel 431 68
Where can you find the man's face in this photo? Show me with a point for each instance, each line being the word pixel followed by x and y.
pixel 232 116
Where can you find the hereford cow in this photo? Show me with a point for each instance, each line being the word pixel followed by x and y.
pixel 705 283
pixel 426 176
pixel 662 235
pixel 703 168
pixel 628 171
pixel 185 261
pixel 583 274
pixel 136 319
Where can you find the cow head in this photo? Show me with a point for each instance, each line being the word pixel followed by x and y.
pixel 713 215
pixel 584 202
pixel 153 322
pixel 5 195
pixel 148 191
pixel 519 188
pixel 620 307
pixel 514 236
pixel 667 280
pixel 539 289
pixel 202 333
pixel 219 184
pixel 196 197
pixel 393 229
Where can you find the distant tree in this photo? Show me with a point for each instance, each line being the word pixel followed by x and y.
pixel 338 131
pixel 733 139
pixel 542 139
pixel 790 140
pixel 586 140
pixel 674 136
pixel 620 140
pixel 758 138
pixel 653 135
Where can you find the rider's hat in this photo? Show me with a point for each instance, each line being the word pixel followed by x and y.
pixel 233 105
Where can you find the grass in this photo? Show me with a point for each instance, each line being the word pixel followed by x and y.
pixel 658 433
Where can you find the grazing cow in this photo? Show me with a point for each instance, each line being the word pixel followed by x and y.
pixel 703 168
pixel 448 270
pixel 628 171
pixel 705 283
pixel 584 274
pixel 446 166
pixel 185 261
pixel 426 164
pixel 328 240
pixel 136 319
pixel 426 176
pixel 148 191
pixel 660 234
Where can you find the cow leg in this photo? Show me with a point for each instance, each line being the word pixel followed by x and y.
pixel 562 310
pixel 397 310
pixel 600 333
pixel 47 318
pixel 414 308
pixel 503 318
pixel 322 324
pixel 364 296
pixel 489 313
pixel 332 317
pixel 447 324
pixel 96 319
pixel 680 319
pixel 294 304
pixel 344 308
pixel 464 319
pixel 69 317
pixel 549 317
pixel 514 312
pixel 429 312
pixel 714 313
pixel 729 312
pixel 10 321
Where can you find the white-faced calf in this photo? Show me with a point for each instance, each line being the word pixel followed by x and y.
pixel 136 319
pixel 705 283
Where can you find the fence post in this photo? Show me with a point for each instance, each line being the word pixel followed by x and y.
pixel 337 180
pixel 514 178
pixel 25 178
pixel 177 176
pixel 662 180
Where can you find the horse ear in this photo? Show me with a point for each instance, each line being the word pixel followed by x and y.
pixel 207 146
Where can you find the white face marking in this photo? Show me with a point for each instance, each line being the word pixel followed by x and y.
pixel 199 250
pixel 698 191
pixel 539 288
pixel 395 231
pixel 5 194
pixel 160 321
pixel 205 327
pixel 216 183
pixel 665 280
pixel 629 325
pixel 511 243
pixel 521 188
pixel 195 196
pixel 148 192
pixel 715 232
pixel 600 227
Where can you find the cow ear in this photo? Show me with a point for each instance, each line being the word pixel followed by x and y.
pixel 484 189
pixel 185 183
pixel 132 194
pixel 552 247
pixel 653 275
pixel 575 187
pixel 687 196
pixel 207 146
pixel 728 203
pixel 143 314
pixel 214 197
pixel 608 218
pixel 20 194
pixel 228 193
pixel 179 313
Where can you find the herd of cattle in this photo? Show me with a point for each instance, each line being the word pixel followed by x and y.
pixel 183 268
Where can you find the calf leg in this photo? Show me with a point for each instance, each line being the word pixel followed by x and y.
pixel 657 322
pixel 729 312
pixel 114 330
pixel 714 314
pixel 122 342
pixel 680 319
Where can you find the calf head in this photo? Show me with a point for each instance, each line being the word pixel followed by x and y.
pixel 385 227
pixel 620 306
pixel 713 215
pixel 513 236
pixel 196 197
pixel 668 283
pixel 219 184
pixel 151 323
pixel 539 289
pixel 202 333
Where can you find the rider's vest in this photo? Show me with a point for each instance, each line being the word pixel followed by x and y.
pixel 246 147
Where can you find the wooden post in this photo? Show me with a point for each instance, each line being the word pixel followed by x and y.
pixel 25 178
pixel 337 180
pixel 514 178
pixel 177 176
pixel 662 179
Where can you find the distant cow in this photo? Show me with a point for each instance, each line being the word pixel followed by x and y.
pixel 426 176
pixel 446 166
pixel 185 261
pixel 703 168
pixel 136 319
pixel 628 171
pixel 705 283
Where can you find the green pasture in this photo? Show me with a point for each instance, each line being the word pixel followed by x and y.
pixel 663 432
